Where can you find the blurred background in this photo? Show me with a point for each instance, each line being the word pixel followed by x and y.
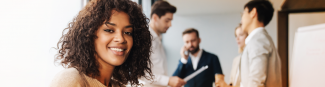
pixel 30 30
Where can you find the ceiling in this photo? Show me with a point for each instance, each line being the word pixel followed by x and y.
pixel 199 7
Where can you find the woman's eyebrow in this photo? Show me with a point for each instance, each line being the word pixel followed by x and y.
pixel 110 23
pixel 129 26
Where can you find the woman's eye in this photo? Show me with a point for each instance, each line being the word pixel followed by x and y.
pixel 109 30
pixel 128 33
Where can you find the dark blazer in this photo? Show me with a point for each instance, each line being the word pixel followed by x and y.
pixel 205 78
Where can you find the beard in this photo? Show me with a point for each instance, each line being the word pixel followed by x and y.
pixel 195 49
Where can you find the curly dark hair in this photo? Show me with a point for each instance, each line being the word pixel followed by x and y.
pixel 76 48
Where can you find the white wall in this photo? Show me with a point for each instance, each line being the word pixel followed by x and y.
pixel 216 32
pixel 23 42
pixel 62 12
pixel 28 30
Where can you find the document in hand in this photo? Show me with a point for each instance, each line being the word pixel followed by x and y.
pixel 195 73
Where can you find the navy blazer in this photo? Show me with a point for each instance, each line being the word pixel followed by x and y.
pixel 205 78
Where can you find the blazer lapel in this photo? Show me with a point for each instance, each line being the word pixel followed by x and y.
pixel 189 63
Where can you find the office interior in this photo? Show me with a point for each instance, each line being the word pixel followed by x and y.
pixel 30 30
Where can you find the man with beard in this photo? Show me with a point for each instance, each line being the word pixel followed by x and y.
pixel 195 59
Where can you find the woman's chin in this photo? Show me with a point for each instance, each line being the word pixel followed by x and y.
pixel 116 62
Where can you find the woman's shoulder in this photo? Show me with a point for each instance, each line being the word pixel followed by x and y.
pixel 69 77
pixel 69 73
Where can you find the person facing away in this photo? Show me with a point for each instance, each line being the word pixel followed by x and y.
pixel 107 45
pixel 260 64
pixel 161 16
pixel 196 59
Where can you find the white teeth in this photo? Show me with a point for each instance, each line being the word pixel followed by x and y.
pixel 117 49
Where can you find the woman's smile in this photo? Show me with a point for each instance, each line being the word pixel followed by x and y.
pixel 118 51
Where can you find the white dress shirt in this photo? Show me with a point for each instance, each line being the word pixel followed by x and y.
pixel 158 58
pixel 248 38
pixel 195 60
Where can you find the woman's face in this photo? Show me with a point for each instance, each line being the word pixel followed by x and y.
pixel 114 40
pixel 241 36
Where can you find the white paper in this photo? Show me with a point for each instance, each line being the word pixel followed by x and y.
pixel 195 73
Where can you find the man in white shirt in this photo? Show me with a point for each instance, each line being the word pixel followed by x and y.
pixel 196 59
pixel 161 16
pixel 260 65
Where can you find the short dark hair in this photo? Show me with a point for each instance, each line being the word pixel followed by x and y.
pixel 191 30
pixel 161 7
pixel 264 10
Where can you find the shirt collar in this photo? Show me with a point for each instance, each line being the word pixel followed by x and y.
pixel 198 55
pixel 250 36
pixel 154 34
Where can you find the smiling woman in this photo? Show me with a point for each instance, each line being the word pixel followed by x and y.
pixel 107 44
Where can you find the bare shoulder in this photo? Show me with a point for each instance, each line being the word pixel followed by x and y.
pixel 69 77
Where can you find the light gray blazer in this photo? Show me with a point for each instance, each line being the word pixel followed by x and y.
pixel 260 63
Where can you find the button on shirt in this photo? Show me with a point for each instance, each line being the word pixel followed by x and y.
pixel 195 60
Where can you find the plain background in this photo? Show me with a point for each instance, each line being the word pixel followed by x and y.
pixel 28 31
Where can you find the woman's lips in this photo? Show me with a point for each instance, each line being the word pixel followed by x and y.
pixel 118 51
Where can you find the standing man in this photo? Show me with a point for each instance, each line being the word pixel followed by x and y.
pixel 197 59
pixel 161 16
pixel 260 64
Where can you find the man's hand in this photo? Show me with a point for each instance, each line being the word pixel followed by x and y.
pixel 183 49
pixel 176 82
